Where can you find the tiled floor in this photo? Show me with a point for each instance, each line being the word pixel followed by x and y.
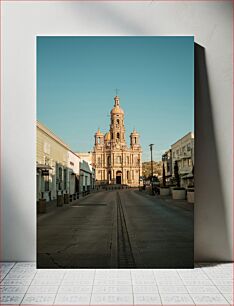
pixel 207 284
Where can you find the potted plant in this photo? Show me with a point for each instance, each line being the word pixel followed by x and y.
pixel 66 198
pixel 42 204
pixel 171 184
pixel 178 193
pixel 190 194
pixel 60 198
pixel 164 190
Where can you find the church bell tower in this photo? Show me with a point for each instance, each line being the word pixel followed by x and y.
pixel 117 129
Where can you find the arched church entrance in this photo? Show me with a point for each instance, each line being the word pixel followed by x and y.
pixel 119 177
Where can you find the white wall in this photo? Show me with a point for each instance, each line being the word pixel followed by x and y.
pixel 210 22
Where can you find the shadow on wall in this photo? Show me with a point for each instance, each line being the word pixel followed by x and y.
pixel 18 223
pixel 212 242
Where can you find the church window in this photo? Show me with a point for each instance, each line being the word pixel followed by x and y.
pixel 135 140
pixel 111 135
pixel 99 140
pixel 118 135
pixel 117 121
pixel 118 159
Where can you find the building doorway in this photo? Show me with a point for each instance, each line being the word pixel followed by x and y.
pixel 118 177
pixel 109 177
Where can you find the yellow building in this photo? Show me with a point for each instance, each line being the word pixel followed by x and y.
pixel 57 167
pixel 115 162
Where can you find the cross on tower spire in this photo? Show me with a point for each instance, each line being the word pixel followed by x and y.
pixel 117 91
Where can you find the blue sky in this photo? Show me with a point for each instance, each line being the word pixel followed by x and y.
pixel 77 77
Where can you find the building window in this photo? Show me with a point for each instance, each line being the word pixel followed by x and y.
pixel 128 160
pixel 118 159
pixel 60 178
pixel 46 148
pixel 99 140
pixel 108 160
pixel 127 175
pixel 117 121
pixel 135 140
pixel 117 135
pixel 47 185
pixel 99 161
pixel 168 168
pixel 65 178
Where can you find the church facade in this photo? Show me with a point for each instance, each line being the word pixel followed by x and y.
pixel 115 162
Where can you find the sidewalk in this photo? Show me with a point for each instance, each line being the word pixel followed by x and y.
pixel 55 209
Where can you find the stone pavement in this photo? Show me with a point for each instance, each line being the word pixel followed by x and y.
pixel 120 228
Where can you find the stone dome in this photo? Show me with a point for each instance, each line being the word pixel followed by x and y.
pixel 107 136
pixel 117 109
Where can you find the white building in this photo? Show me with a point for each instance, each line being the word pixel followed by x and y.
pixel 87 157
pixel 85 176
pixel 59 170
pixel 183 152
pixel 73 172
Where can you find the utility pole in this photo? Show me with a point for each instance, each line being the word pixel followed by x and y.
pixel 152 170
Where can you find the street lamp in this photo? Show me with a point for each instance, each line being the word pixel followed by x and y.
pixel 151 153
pixel 139 163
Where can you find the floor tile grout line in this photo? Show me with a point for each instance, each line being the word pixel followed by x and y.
pixel 91 294
pixel 133 299
pixel 28 287
pixel 186 285
pixel 65 272
pixel 14 263
pixel 216 285
pixel 157 288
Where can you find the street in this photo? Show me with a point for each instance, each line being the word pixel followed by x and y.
pixel 123 228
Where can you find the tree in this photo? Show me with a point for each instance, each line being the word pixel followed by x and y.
pixel 164 176
pixel 176 172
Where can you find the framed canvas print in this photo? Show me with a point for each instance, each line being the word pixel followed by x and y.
pixel 115 152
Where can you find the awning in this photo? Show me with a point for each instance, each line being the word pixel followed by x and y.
pixel 187 176
pixel 43 167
